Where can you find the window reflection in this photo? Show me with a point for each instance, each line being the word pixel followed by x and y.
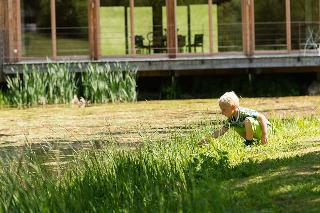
pixel 72 27
pixel 270 30
pixel 192 26
pixel 227 16
pixel 150 26
pixel 305 31
pixel 114 27
pixel 36 30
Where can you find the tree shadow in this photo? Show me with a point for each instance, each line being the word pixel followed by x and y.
pixel 5 135
pixel 274 185
pixel 288 184
pixel 60 150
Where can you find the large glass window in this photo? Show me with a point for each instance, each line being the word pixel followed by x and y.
pixel 72 27
pixel 150 26
pixel 228 18
pixel 114 27
pixel 305 25
pixel 270 25
pixel 71 23
pixel 192 26
pixel 36 28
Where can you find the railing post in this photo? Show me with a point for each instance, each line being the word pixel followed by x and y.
pixel 14 30
pixel 252 28
pixel 171 26
pixel 132 35
pixel 288 25
pixel 94 28
pixel 53 28
pixel 248 30
pixel 245 23
pixel 210 26
pixel 2 38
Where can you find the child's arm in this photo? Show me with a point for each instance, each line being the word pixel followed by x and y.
pixel 263 122
pixel 215 134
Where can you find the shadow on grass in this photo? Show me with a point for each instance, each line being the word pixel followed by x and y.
pixel 59 149
pixel 276 185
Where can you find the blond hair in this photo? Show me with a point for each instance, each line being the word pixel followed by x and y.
pixel 229 98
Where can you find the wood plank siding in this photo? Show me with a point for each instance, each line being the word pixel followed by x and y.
pixel 2 9
pixel 2 36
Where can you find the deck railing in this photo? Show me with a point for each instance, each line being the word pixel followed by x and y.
pixel 227 37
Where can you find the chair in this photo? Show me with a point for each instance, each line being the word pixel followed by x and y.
pixel 198 42
pixel 163 43
pixel 158 44
pixel 181 42
pixel 138 39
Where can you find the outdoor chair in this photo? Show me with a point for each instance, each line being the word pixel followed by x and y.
pixel 140 47
pixel 159 44
pixel 181 42
pixel 198 42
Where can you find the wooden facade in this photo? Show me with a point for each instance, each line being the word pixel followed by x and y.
pixel 2 39
pixel 11 25
pixel 13 29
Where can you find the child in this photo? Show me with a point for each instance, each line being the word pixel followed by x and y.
pixel 248 123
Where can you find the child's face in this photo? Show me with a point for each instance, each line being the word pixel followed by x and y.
pixel 227 109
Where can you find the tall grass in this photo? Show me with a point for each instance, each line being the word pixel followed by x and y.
pixel 171 175
pixel 108 83
pixel 37 86
pixel 57 84
pixel 61 83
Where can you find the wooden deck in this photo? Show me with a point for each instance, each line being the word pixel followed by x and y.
pixel 199 65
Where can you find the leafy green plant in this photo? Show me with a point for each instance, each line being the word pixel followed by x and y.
pixel 25 88
pixel 57 84
pixel 108 83
pixel 36 86
pixel 61 83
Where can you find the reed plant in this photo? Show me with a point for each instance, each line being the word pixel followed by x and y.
pixel 26 88
pixel 106 83
pixel 58 84
pixel 3 99
pixel 36 86
pixel 62 84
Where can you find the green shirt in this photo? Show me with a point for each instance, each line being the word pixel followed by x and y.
pixel 237 121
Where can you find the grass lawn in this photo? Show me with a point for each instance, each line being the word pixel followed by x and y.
pixel 163 168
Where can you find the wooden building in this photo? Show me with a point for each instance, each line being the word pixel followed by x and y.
pixel 161 36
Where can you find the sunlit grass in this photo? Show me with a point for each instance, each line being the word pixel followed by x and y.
pixel 174 174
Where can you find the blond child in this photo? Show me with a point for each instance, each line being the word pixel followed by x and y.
pixel 248 123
